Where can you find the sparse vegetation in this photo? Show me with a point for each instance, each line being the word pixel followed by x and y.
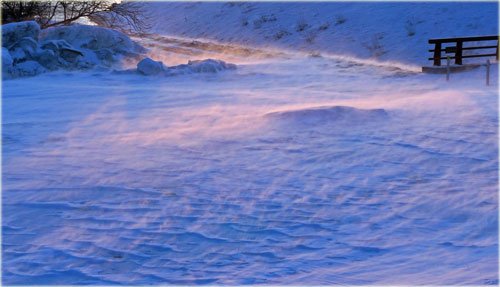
pixel 324 26
pixel 374 46
pixel 339 20
pixel 301 26
pixel 410 28
pixel 311 37
pixel 281 33
pixel 257 24
pixel 244 22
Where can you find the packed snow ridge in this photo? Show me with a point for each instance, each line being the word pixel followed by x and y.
pixel 28 51
pixel 328 114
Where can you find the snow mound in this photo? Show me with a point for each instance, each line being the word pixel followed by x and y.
pixel 149 67
pixel 28 51
pixel 328 114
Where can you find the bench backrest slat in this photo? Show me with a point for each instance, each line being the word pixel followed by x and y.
pixel 464 39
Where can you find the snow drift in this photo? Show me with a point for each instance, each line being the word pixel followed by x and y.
pixel 28 51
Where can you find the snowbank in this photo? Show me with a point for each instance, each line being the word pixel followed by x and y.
pixel 28 51
pixel 384 31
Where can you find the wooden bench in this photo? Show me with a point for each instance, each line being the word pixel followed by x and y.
pixel 458 49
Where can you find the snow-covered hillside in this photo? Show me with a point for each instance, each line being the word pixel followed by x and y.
pixel 387 31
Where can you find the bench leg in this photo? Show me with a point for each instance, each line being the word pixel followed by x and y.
pixel 437 54
pixel 458 53
pixel 497 49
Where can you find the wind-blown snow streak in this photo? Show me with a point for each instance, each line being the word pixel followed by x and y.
pixel 215 178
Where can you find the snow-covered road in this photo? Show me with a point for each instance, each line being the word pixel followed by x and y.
pixel 289 170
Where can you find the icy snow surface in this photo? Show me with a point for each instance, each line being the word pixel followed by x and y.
pixel 288 170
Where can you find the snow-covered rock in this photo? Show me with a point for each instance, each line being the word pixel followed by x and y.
pixel 48 59
pixel 55 45
pixel 27 44
pixel 24 49
pixel 70 55
pixel 27 68
pixel 94 38
pixel 106 55
pixel 28 51
pixel 201 66
pixel 210 66
pixel 150 67
pixel 6 58
pixel 13 32
pixel 18 55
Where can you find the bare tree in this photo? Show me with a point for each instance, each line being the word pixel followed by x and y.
pixel 24 11
pixel 127 16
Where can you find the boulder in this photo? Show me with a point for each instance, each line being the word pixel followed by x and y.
pixel 200 66
pixel 24 49
pixel 88 60
pixel 18 55
pixel 27 68
pixel 28 51
pixel 93 38
pixel 149 67
pixel 13 32
pixel 70 55
pixel 55 45
pixel 106 56
pixel 26 43
pixel 210 66
pixel 6 58
pixel 63 49
pixel 48 59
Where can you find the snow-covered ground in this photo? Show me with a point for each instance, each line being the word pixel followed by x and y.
pixel 388 31
pixel 289 170
pixel 348 168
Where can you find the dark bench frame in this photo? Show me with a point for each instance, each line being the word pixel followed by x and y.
pixel 458 49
